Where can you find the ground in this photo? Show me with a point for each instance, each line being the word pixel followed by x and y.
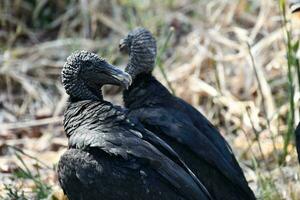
pixel 237 61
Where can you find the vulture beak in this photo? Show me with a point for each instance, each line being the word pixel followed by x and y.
pixel 123 46
pixel 295 7
pixel 115 76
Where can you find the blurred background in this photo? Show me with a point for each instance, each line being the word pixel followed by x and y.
pixel 237 61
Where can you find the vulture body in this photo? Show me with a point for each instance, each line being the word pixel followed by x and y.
pixel 110 157
pixel 185 129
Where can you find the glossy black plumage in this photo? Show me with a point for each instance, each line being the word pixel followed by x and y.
pixel 184 128
pixel 112 157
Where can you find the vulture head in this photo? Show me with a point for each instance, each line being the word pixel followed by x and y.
pixel 141 47
pixel 85 73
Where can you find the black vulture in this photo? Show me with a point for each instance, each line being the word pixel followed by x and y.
pixel 179 124
pixel 110 156
pixel 297 135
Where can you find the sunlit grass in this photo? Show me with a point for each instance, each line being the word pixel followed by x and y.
pixel 293 66
pixel 23 174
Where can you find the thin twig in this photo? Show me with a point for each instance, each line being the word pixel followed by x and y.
pixel 263 101
pixel 256 133
pixel 33 123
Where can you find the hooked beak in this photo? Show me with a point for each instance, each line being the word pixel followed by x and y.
pixel 116 76
pixel 295 7
pixel 123 47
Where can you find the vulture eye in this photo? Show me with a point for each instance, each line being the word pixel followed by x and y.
pixel 88 65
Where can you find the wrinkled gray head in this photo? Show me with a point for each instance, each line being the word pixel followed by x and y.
pixel 85 73
pixel 141 47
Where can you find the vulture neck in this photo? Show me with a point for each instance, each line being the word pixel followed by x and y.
pixel 81 91
pixel 143 90
pixel 142 79
pixel 89 113
pixel 140 63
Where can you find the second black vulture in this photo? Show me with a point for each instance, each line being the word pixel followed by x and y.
pixel 184 128
pixel 111 157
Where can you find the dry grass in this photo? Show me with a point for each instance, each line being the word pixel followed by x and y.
pixel 227 58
